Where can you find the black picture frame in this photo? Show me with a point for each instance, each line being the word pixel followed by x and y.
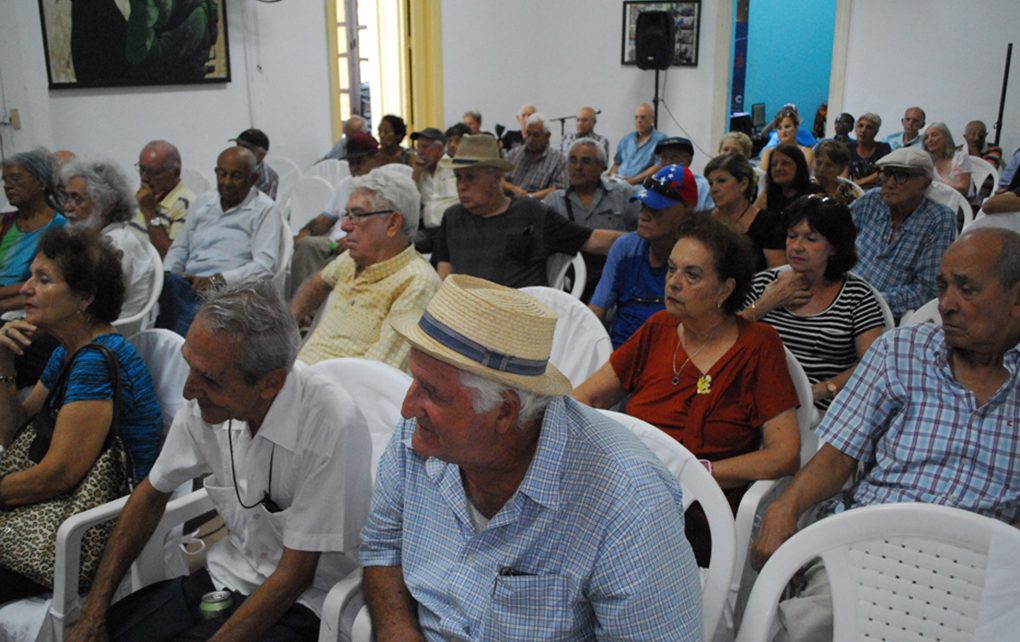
pixel 686 16
pixel 95 43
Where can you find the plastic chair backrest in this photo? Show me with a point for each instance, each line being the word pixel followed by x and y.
pixel 927 313
pixel 900 572
pixel 161 351
pixel 286 188
pixel 580 342
pixel 1006 220
pixel 979 173
pixel 308 198
pixel 698 485
pixel 954 200
pixel 196 181
pixel 380 390
pixel 282 165
pixel 330 169
pixel 144 318
pixel 556 267
pixel 887 314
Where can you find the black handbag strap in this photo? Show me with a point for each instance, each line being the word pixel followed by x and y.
pixel 570 207
pixel 45 429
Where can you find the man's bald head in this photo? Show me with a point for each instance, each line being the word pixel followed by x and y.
pixel 235 175
pixel 585 121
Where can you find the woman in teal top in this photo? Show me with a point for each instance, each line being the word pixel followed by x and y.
pixel 29 184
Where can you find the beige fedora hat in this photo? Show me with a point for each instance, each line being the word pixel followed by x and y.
pixel 490 330
pixel 480 150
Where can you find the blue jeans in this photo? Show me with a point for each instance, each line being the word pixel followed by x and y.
pixel 178 303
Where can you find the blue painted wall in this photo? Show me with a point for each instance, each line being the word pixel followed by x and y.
pixel 789 55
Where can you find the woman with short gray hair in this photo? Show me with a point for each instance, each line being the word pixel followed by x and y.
pixel 865 151
pixel 29 182
pixel 99 197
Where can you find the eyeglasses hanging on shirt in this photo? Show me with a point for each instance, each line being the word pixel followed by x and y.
pixel 266 500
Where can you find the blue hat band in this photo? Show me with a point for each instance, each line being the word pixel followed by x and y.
pixel 478 353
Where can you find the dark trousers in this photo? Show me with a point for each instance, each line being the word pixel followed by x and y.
pixel 169 610
pixel 178 303
pixel 15 587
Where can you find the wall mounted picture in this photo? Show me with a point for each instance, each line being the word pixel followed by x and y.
pixel 104 43
pixel 686 17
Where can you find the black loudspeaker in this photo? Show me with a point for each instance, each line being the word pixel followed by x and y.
pixel 655 39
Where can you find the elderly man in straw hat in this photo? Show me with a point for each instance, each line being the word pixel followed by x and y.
pixel 500 238
pixel 504 509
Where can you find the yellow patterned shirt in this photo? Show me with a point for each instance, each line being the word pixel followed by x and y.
pixel 174 206
pixel 354 323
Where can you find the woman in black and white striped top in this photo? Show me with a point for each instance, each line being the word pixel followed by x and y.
pixel 827 317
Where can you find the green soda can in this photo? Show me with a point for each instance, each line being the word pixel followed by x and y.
pixel 214 603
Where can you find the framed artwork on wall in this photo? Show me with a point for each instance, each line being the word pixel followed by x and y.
pixel 686 18
pixel 106 43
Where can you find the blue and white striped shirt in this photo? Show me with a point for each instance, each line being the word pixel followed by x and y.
pixel 594 535
pixel 921 431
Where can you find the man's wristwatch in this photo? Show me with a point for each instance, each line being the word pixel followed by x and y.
pixel 159 221
pixel 832 389
pixel 217 280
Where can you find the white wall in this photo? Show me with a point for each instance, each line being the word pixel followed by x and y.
pixel 564 54
pixel 279 84
pixel 945 55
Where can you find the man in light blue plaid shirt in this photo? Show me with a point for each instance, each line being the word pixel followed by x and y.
pixel 504 510
pixel 932 411
pixel 902 235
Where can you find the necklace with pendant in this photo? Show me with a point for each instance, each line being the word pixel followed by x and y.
pixel 704 384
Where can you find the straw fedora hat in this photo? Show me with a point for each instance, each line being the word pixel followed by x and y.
pixel 480 150
pixel 490 330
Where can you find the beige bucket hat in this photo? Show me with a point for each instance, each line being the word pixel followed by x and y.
pixel 490 330
pixel 480 150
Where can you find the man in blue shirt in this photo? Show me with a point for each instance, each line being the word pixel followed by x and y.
pixel 504 510
pixel 635 155
pixel 634 278
pixel 930 412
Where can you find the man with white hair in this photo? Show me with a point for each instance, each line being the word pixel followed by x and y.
pixel 504 509
pixel 913 123
pixel 635 155
pixel 97 196
pixel 538 168
pixel 380 275
pixel 290 479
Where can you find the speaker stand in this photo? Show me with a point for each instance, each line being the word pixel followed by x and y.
pixel 655 100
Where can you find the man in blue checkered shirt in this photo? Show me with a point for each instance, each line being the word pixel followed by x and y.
pixel 902 235
pixel 504 510
pixel 933 413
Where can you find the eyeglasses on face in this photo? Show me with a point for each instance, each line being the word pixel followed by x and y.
pixel 899 176
pixel 357 216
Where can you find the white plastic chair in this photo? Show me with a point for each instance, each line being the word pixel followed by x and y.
pixel 980 171
pixel 286 187
pixel 160 349
pixel 1006 220
pixel 146 317
pixel 927 313
pixel 308 198
pixel 284 254
pixel 951 198
pixel 556 273
pixel 901 572
pixel 380 389
pixel 51 618
pixel 580 342
pixel 762 492
pixel 282 165
pixel 698 486
pixel 330 169
pixel 196 181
